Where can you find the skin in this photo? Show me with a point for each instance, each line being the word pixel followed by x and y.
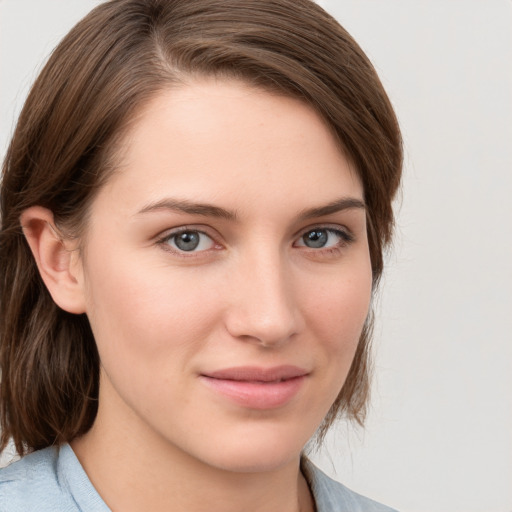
pixel 252 294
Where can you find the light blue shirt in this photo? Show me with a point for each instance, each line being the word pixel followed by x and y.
pixel 53 480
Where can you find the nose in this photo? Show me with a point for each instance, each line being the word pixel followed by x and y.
pixel 264 308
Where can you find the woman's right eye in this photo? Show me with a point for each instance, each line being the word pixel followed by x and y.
pixel 189 241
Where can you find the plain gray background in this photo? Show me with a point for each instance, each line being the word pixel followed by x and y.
pixel 439 435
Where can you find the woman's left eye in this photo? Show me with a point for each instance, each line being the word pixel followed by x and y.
pixel 323 238
pixel 189 241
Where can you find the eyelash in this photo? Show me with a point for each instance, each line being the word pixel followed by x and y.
pixel 345 239
pixel 344 236
pixel 164 241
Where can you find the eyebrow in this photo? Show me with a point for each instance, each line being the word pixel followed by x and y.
pixel 184 206
pixel 338 205
pixel 209 210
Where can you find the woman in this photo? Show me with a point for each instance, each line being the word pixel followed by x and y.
pixel 194 208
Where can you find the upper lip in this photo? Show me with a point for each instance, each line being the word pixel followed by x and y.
pixel 257 374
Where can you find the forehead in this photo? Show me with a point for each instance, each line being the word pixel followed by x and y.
pixel 225 140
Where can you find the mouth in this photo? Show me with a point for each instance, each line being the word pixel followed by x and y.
pixel 257 388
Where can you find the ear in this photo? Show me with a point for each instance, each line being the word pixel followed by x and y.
pixel 57 259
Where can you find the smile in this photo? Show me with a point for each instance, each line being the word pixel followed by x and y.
pixel 257 388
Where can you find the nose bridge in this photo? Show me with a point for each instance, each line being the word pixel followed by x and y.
pixel 265 309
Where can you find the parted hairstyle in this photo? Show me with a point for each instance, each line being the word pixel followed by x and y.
pixel 63 150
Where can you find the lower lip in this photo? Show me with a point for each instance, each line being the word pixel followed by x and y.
pixel 255 394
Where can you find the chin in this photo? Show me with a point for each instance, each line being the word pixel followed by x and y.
pixel 254 452
pixel 255 462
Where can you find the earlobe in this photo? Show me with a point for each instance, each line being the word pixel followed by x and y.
pixel 56 259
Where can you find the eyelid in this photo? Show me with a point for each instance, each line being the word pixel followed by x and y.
pixel 345 235
pixel 333 228
pixel 164 237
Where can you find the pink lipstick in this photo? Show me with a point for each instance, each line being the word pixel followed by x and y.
pixel 257 388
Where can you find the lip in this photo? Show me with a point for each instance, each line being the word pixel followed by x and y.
pixel 257 388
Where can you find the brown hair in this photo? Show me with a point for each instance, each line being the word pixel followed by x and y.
pixel 111 63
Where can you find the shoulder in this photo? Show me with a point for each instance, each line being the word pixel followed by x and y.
pixel 32 484
pixel 331 496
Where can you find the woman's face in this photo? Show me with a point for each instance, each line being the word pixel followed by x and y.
pixel 226 276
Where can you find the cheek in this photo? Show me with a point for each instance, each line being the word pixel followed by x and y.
pixel 153 313
pixel 149 330
pixel 340 306
pixel 337 312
